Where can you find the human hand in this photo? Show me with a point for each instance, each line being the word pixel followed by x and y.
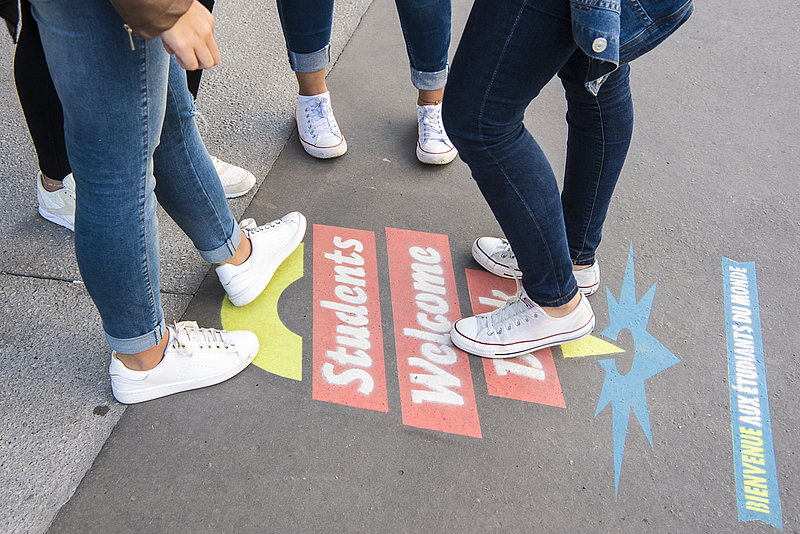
pixel 191 39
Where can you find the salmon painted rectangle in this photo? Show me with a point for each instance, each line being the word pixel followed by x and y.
pixel 531 377
pixel 349 365
pixel 436 390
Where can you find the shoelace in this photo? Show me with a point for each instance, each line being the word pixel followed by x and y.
pixel 249 225
pixel 505 249
pixel 189 336
pixel 513 313
pixel 319 115
pixel 432 127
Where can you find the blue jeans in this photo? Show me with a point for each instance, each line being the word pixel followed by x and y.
pixel 509 51
pixel 426 29
pixel 127 115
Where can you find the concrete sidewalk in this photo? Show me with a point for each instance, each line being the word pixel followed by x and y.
pixel 711 174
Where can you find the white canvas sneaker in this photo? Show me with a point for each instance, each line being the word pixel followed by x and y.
pixel 520 327
pixel 57 206
pixel 195 358
pixel 317 127
pixel 495 255
pixel 271 244
pixel 236 181
pixel 433 145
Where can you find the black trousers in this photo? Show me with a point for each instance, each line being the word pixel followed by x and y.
pixel 39 101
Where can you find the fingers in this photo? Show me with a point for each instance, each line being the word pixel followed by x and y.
pixel 191 39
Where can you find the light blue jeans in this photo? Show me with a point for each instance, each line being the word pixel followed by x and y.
pixel 127 116
pixel 426 29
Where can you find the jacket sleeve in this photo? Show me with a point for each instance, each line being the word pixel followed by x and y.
pixel 149 18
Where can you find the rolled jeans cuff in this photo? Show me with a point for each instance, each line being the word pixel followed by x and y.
pixel 139 343
pixel 311 62
pixel 225 251
pixel 429 81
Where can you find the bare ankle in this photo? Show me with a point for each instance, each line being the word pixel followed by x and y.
pixel 146 360
pixel 242 251
pixel 564 309
pixel 50 185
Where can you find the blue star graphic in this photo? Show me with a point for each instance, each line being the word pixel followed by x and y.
pixel 626 392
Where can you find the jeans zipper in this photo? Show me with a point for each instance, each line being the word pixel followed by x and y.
pixel 130 35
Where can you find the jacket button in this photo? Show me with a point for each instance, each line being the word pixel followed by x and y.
pixel 599 44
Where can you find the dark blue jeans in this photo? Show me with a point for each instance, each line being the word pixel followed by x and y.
pixel 426 29
pixel 509 51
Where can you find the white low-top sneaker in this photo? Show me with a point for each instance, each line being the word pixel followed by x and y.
pixel 317 127
pixel 195 358
pixel 236 181
pixel 57 206
pixel 495 255
pixel 271 244
pixel 433 145
pixel 520 327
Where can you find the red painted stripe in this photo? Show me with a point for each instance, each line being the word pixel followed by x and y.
pixel 530 378
pixel 436 390
pixel 349 363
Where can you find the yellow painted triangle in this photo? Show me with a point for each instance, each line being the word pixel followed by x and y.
pixel 589 346
pixel 280 350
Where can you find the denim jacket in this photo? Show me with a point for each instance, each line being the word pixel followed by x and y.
pixel 612 32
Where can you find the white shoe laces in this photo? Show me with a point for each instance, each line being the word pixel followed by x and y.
pixel 513 313
pixel 319 116
pixel 432 128
pixel 249 225
pixel 504 248
pixel 189 337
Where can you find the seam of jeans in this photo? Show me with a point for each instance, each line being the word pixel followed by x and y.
pixel 143 197
pixel 588 221
pixel 217 214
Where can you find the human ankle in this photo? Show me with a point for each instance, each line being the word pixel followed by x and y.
pixel 563 310
pixel 242 251
pixel 146 360
pixel 430 98
pixel 50 185
pixel 311 83
pixel 581 267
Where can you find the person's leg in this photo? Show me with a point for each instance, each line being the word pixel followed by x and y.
pixel 307 31
pixel 55 188
pixel 426 30
pixel 600 129
pixel 496 74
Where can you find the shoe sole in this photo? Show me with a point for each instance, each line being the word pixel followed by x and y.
pixel 157 392
pixel 251 293
pixel 498 269
pixel 57 219
pixel 523 347
pixel 326 152
pixel 436 159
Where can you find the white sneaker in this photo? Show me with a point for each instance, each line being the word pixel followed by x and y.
pixel 271 244
pixel 495 255
pixel 195 358
pixel 57 206
pixel 317 127
pixel 236 181
pixel 433 145
pixel 519 327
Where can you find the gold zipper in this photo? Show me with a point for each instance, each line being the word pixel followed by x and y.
pixel 130 35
